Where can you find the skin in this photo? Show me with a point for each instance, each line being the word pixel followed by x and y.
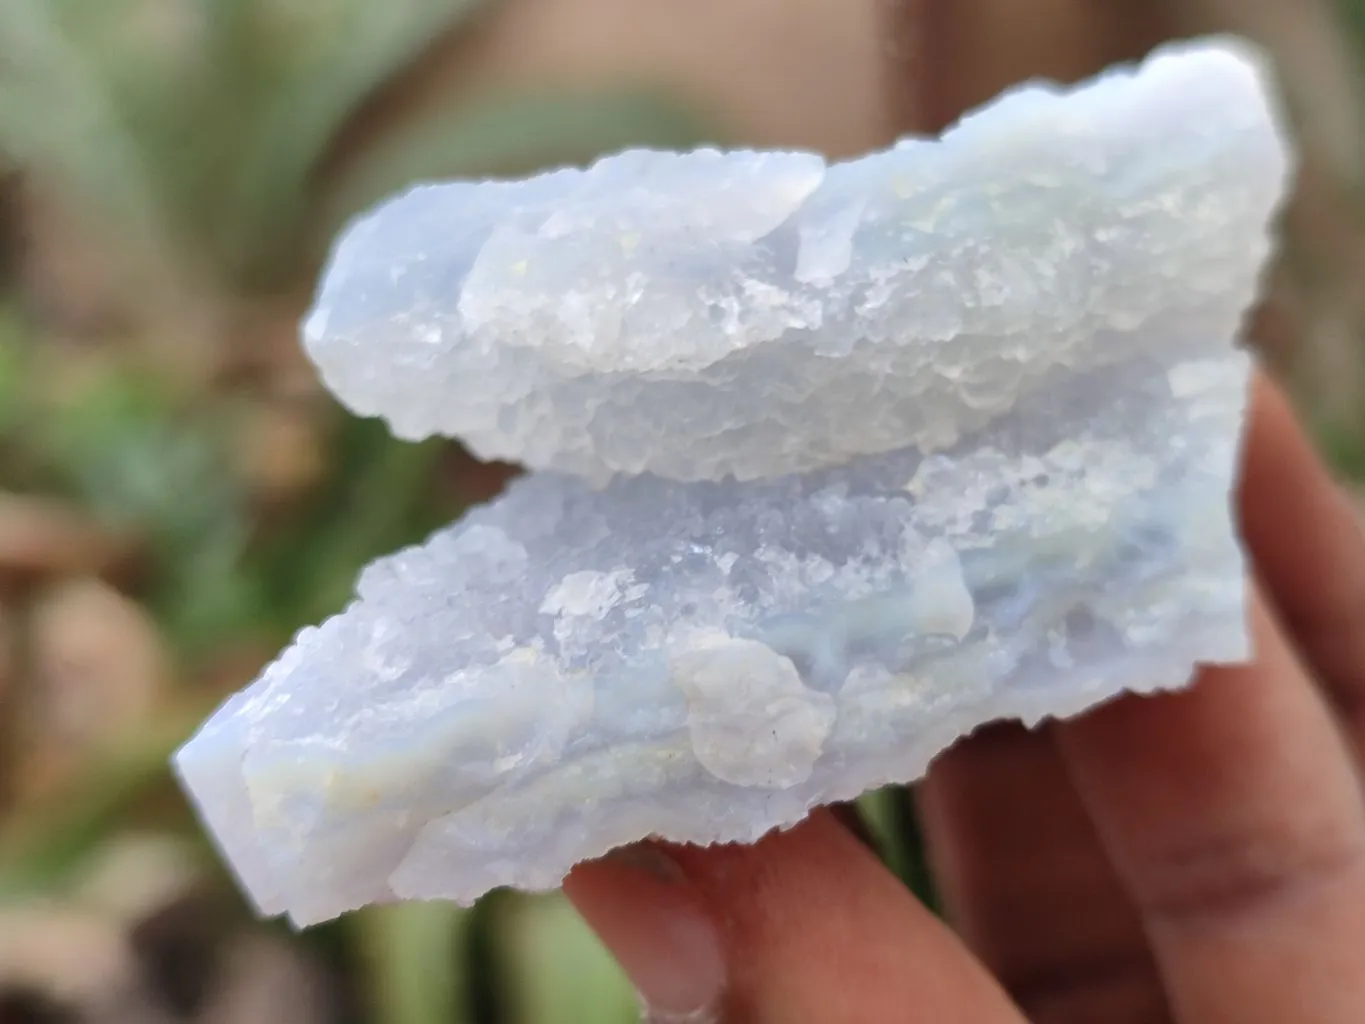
pixel 1196 857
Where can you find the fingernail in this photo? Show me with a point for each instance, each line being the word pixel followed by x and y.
pixel 654 921
pixel 651 1016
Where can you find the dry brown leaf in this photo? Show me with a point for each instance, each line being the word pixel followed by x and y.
pixel 99 669
pixel 77 962
pixel 69 274
pixel 258 975
pixel 477 481
pixel 280 452
pixel 42 536
pixel 263 346
pixel 8 652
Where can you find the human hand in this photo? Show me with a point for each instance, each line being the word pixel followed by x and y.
pixel 1195 857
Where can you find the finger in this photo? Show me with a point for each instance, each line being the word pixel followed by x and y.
pixel 1026 882
pixel 811 928
pixel 1309 548
pixel 1008 837
pixel 1236 820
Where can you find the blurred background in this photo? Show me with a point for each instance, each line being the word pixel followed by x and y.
pixel 178 495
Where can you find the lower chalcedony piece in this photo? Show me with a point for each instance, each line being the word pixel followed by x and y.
pixel 592 659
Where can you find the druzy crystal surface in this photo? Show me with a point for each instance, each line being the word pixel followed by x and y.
pixel 834 464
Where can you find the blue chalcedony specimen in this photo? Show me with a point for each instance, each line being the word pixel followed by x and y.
pixel 834 464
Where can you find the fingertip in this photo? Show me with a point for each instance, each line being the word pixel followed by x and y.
pixel 810 924
pixel 641 905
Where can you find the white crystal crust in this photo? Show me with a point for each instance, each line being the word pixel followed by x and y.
pixel 700 314
pixel 707 650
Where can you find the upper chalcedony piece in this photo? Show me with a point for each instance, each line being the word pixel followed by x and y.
pixel 704 314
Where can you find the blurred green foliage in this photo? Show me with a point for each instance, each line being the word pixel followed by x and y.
pixel 202 132
pixel 1353 18
pixel 556 971
pixel 208 139
pixel 196 132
